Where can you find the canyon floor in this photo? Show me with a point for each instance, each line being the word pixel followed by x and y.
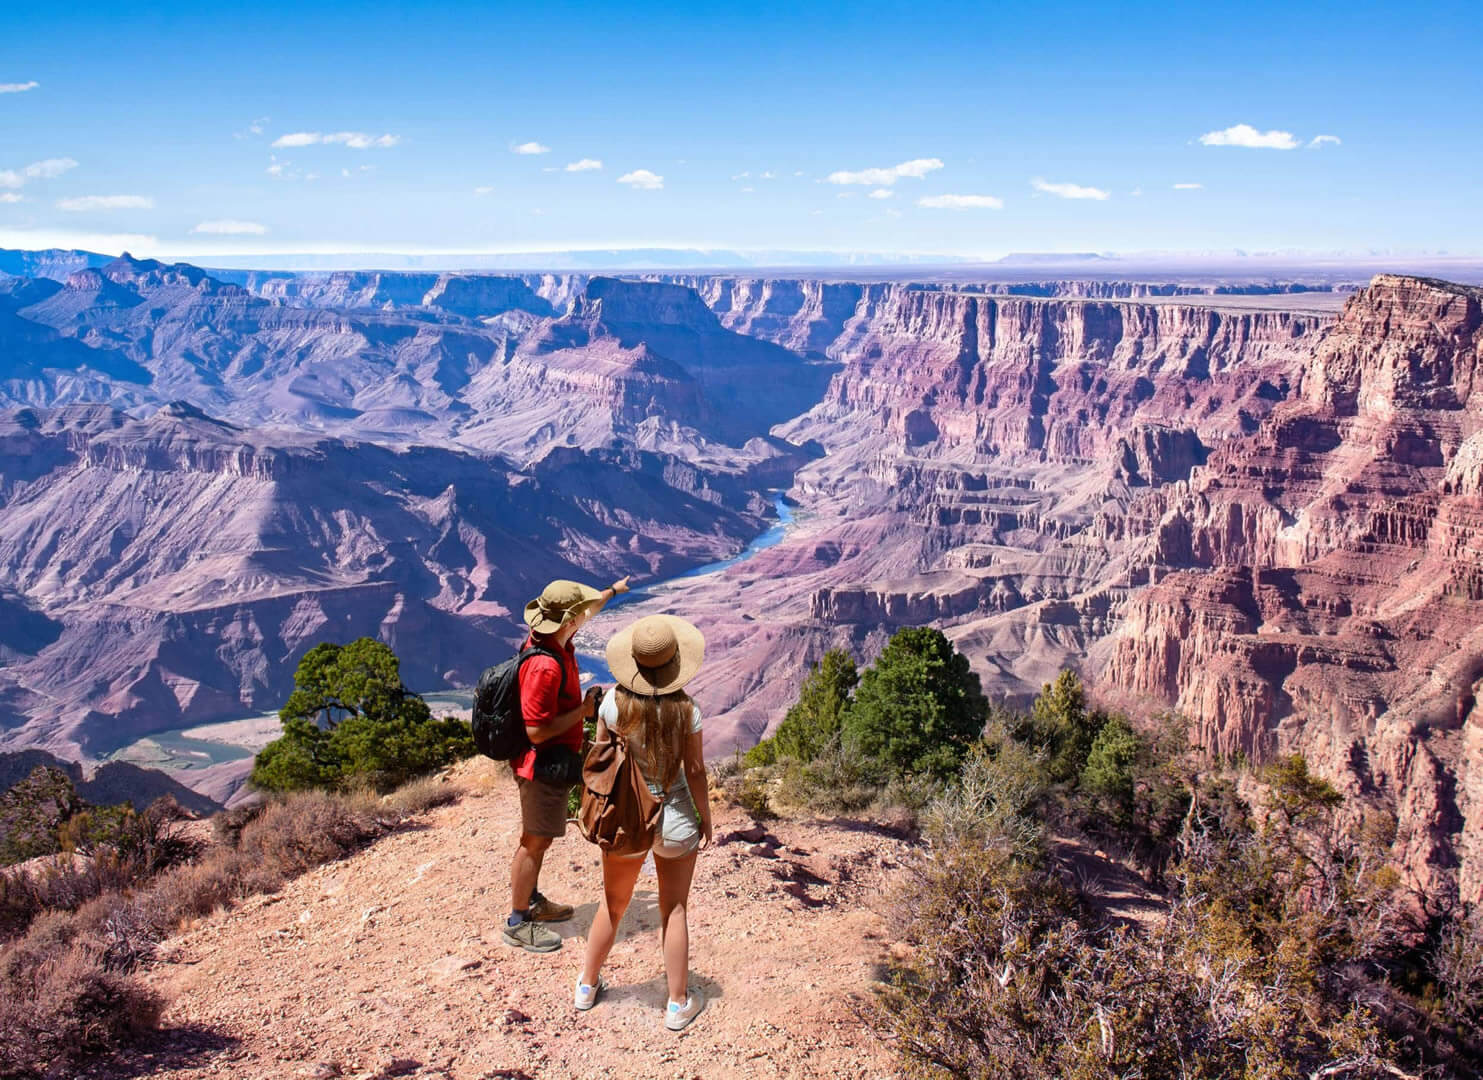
pixel 390 962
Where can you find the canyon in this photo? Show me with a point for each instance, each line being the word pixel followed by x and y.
pixel 1258 505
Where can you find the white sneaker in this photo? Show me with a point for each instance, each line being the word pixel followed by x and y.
pixel 677 1017
pixel 586 996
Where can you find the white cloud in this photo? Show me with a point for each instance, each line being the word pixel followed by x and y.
pixel 230 227
pixel 483 189
pixel 11 197
pixel 257 127
pixel 105 243
pixel 882 193
pixel 587 164
pixel 741 176
pixel 276 169
pixel 1188 187
pixel 1250 137
pixel 642 178
pixel 37 170
pixel 356 140
pixel 745 189
pixel 48 169
pixel 916 168
pixel 18 87
pixel 1136 192
pixel 892 213
pixel 769 175
pixel 530 148
pixel 1324 140
pixel 106 202
pixel 1070 191
pixel 962 202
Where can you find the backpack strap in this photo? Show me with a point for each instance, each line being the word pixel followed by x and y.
pixel 540 650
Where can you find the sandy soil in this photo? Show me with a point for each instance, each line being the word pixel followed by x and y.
pixel 391 963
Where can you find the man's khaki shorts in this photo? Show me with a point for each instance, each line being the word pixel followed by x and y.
pixel 542 807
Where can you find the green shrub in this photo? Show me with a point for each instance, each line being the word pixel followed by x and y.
pixel 1112 765
pixel 816 719
pixel 351 722
pixel 1061 725
pixel 918 707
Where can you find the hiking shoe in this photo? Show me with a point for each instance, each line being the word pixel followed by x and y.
pixel 678 1017
pixel 587 995
pixel 532 937
pixel 543 910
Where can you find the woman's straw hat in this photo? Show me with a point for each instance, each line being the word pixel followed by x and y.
pixel 656 655
pixel 558 602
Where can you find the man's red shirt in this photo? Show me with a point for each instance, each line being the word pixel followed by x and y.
pixel 543 699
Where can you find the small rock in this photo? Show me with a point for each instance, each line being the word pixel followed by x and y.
pixel 449 966
pixel 763 851
pixel 321 1070
pixel 515 1016
pixel 400 1067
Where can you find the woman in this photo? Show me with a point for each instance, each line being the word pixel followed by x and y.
pixel 652 660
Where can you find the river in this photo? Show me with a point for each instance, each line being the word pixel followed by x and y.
pixel 201 745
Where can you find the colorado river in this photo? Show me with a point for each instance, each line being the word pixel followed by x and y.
pixel 201 745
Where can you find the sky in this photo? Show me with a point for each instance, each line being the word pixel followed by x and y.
pixel 969 130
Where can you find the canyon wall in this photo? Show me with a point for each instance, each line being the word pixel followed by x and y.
pixel 174 569
pixel 1318 581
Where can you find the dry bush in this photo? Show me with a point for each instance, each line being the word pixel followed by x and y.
pixel 105 849
pixel 60 1003
pixel 307 829
pixel 63 884
pixel 422 795
pixel 65 988
pixel 227 825
pixel 1249 973
pixel 838 781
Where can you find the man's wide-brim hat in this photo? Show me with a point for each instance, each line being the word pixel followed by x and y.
pixel 658 654
pixel 558 603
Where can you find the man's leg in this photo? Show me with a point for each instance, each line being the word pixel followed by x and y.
pixel 525 871
pixel 541 820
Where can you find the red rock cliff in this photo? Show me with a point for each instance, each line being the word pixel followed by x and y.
pixel 1319 580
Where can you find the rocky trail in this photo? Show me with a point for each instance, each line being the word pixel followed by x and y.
pixel 390 962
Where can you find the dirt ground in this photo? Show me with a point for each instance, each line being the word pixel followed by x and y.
pixel 390 962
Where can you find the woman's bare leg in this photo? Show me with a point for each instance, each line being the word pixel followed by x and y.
pixel 674 927
pixel 618 878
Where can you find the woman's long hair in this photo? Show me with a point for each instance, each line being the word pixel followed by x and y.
pixel 663 723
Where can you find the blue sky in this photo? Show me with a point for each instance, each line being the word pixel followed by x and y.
pixel 153 127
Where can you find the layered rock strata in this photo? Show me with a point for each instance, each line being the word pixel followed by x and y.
pixel 1318 581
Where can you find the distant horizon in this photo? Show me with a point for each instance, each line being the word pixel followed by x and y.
pixel 1236 267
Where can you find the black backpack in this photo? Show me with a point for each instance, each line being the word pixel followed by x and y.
pixel 499 726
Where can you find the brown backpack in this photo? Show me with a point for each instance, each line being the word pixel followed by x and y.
pixel 618 813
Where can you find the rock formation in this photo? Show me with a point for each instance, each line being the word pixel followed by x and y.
pixel 1318 580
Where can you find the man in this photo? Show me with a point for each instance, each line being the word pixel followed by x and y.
pixel 553 707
